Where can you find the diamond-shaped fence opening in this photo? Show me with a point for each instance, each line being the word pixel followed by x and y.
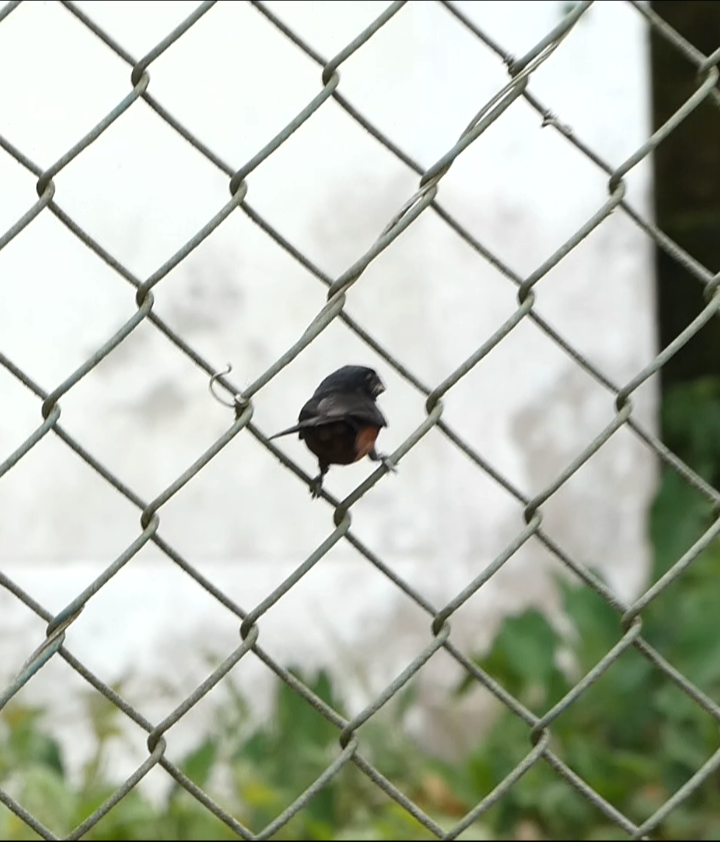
pixel 147 323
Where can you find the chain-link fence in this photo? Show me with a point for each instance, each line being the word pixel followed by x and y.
pixel 427 199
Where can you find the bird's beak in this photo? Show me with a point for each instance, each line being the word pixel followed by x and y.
pixel 379 387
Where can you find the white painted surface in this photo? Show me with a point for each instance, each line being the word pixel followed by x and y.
pixel 246 522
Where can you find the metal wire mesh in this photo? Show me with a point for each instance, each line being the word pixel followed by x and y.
pixel 426 198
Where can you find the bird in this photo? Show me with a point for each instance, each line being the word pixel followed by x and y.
pixel 341 421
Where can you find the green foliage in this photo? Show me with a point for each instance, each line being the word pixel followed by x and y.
pixel 266 767
pixel 633 736
pixel 691 425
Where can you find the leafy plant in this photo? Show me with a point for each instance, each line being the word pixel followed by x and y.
pixel 633 736
pixel 265 766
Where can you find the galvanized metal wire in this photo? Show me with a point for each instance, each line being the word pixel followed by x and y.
pixel 425 199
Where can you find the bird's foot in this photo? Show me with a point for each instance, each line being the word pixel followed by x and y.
pixel 316 484
pixel 385 459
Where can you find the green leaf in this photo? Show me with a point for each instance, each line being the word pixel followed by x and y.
pixel 522 658
pixel 678 517
pixel 596 624
pixel 199 763
pixel 691 424
pixel 132 818
pixel 48 797
pixel 297 720
pixel 28 745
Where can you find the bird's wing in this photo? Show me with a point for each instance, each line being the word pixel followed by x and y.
pixel 349 406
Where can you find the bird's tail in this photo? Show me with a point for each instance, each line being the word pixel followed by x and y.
pixel 295 429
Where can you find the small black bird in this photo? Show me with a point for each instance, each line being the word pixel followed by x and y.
pixel 341 421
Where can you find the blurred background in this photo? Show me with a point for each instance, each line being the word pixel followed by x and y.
pixel 244 523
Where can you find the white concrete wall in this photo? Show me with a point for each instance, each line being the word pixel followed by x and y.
pixel 245 522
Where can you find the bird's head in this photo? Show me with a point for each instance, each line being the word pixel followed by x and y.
pixel 352 378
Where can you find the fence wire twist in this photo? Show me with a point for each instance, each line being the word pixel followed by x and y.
pixel 520 71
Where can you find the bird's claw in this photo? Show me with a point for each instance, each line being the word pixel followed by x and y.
pixel 316 486
pixel 390 466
